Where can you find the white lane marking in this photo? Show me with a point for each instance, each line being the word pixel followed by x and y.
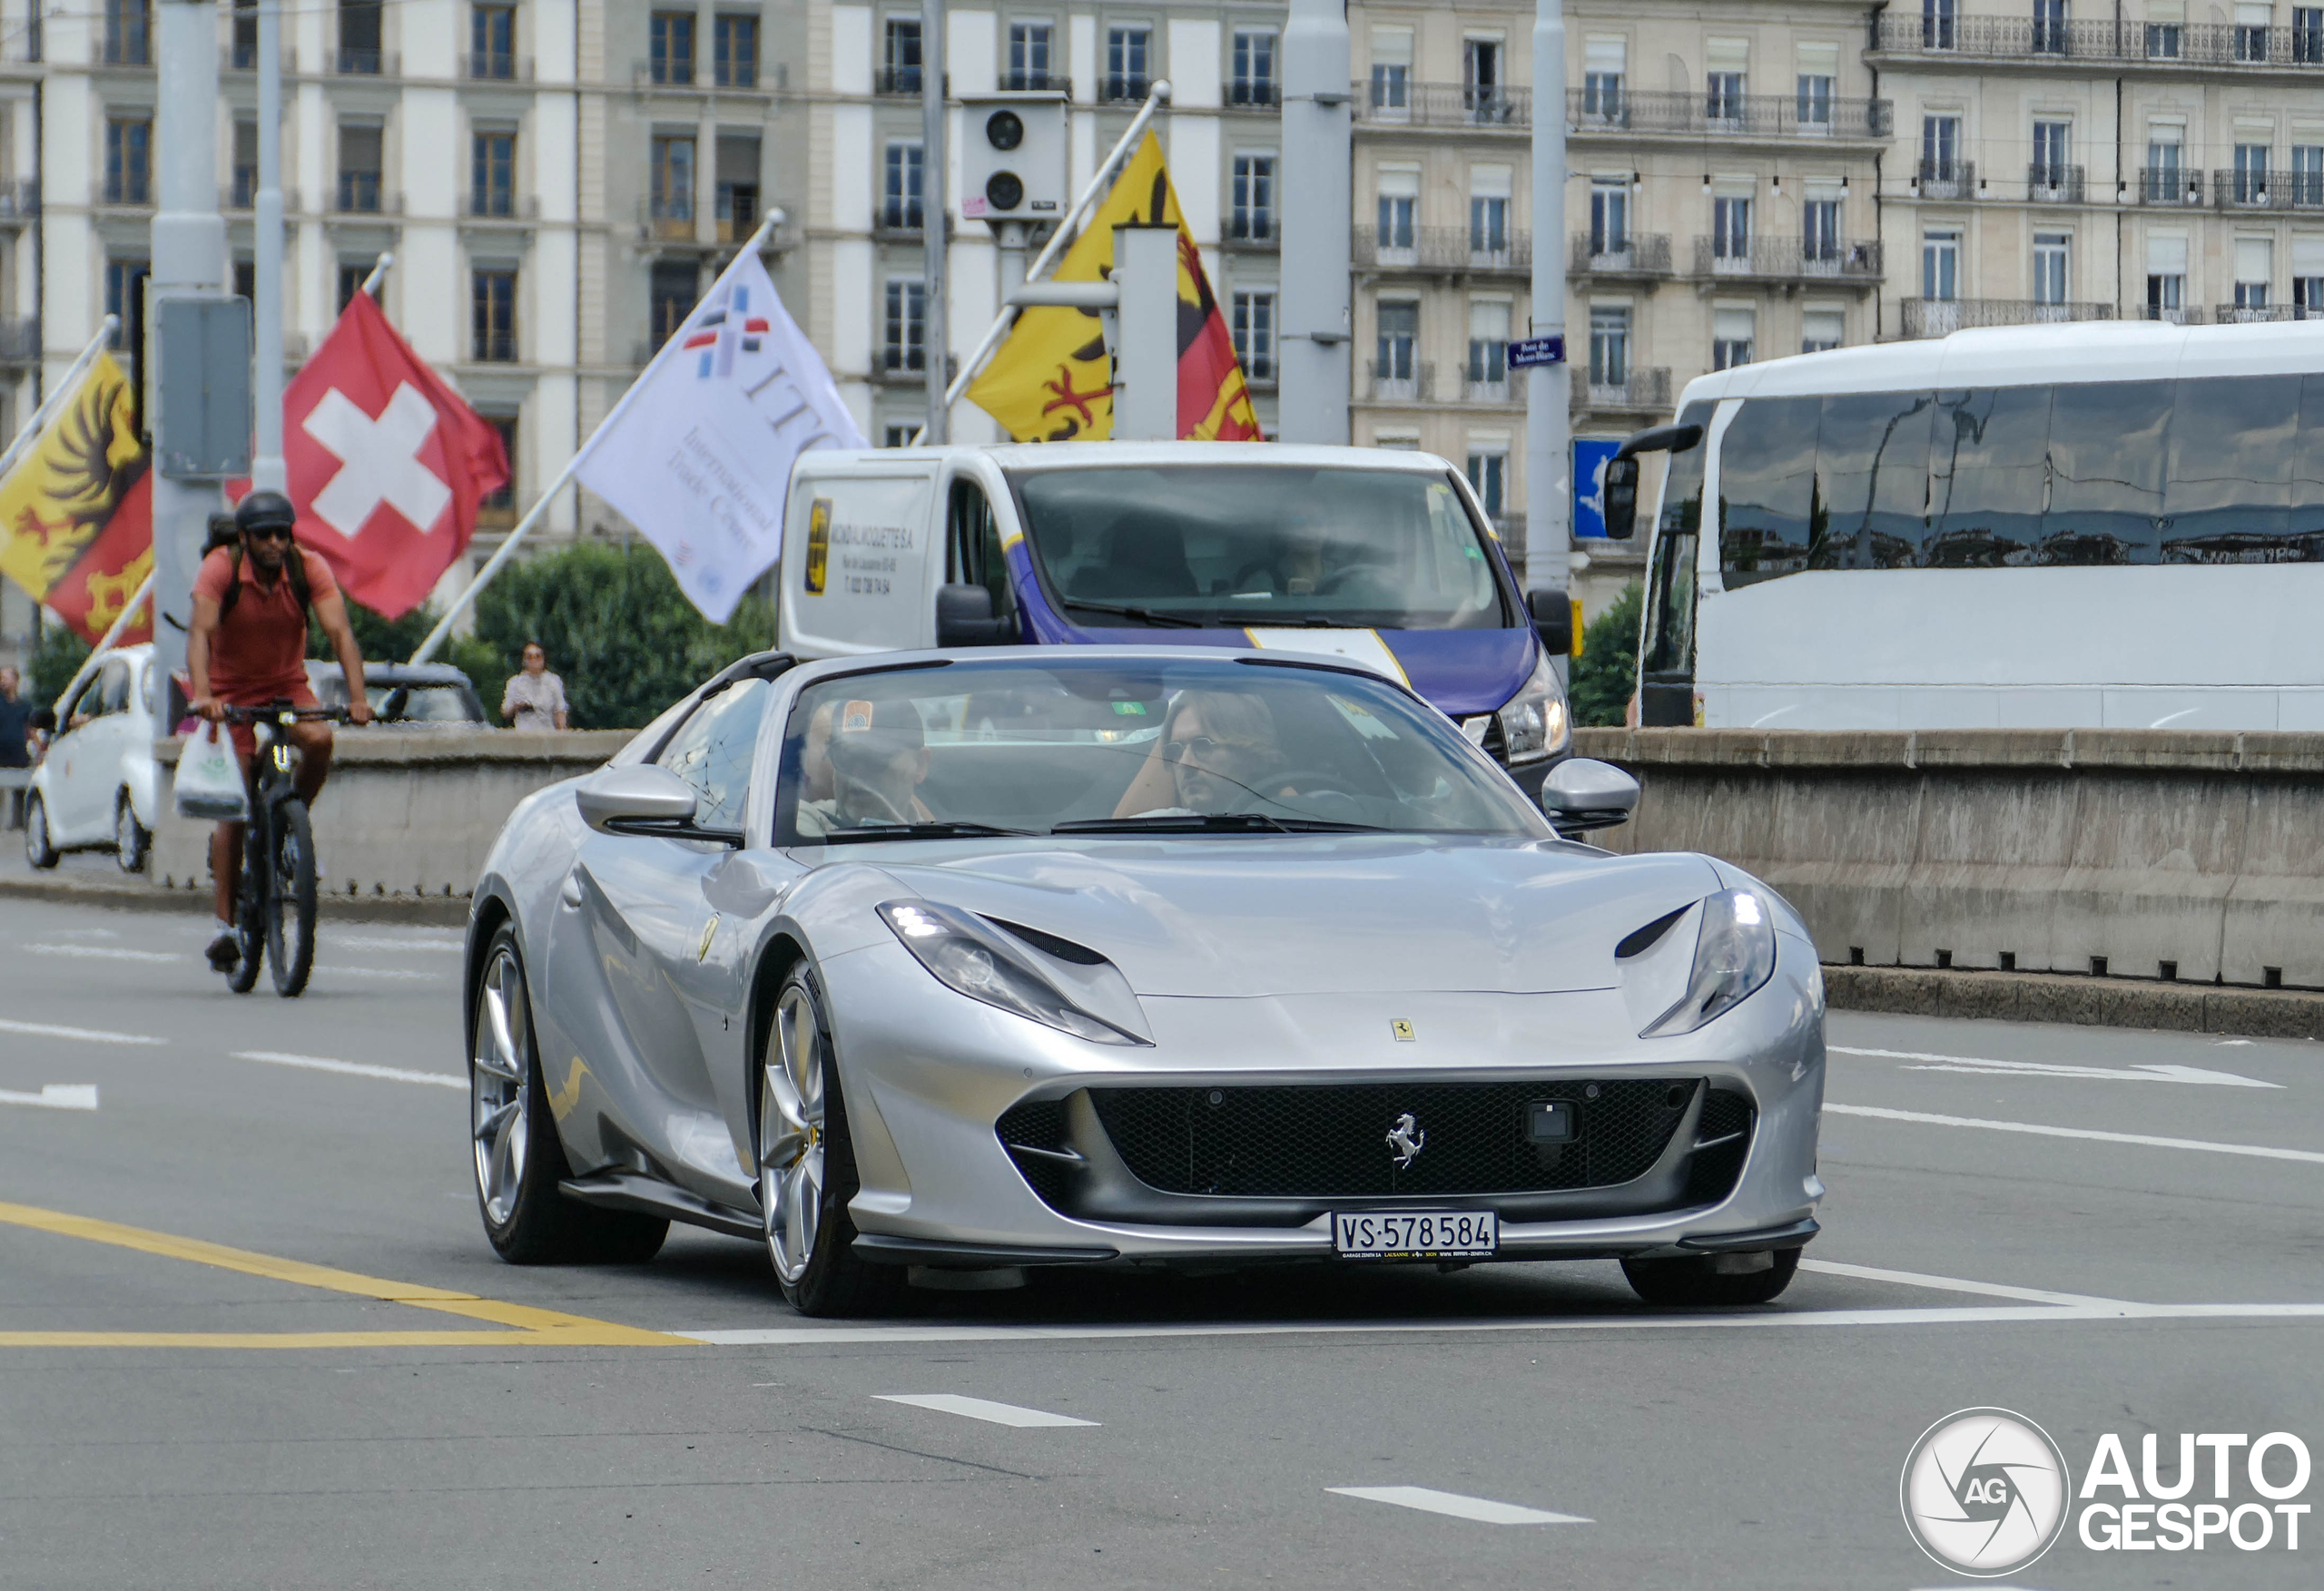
pixel 55 1096
pixel 382 942
pixel 1954 1284
pixel 103 953
pixel 1451 1502
pixel 2144 1140
pixel 980 1409
pixel 1996 1314
pixel 86 1034
pixel 352 1068
pixel 2135 1074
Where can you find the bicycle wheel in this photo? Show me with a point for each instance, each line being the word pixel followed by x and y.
pixel 290 900
pixel 249 909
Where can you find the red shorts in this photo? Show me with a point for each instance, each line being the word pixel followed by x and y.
pixel 245 741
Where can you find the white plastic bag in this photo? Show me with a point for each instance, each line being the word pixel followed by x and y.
pixel 209 780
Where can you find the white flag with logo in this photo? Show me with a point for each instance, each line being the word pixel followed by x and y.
pixel 698 455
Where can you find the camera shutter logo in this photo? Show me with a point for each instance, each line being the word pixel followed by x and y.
pixel 1985 1492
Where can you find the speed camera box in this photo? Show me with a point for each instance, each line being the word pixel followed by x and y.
pixel 1013 157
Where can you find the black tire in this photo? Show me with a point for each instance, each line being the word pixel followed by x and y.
pixel 526 1219
pixel 133 842
pixel 834 1279
pixel 290 900
pixel 40 850
pixel 1693 1282
pixel 249 913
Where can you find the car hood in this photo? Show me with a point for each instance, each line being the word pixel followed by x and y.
pixel 1243 917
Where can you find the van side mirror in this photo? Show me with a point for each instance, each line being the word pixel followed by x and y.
pixel 964 618
pixel 1581 793
pixel 399 701
pixel 1621 498
pixel 1552 614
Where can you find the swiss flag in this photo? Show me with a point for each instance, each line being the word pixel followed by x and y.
pixel 387 463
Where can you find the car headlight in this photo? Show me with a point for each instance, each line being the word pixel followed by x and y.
pixel 965 956
pixel 1533 722
pixel 1735 954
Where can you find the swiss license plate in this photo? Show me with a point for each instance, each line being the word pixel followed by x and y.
pixel 1416 1234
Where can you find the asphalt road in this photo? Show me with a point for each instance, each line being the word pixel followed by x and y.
pixel 1965 1262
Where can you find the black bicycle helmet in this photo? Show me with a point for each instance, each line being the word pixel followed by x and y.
pixel 223 533
pixel 265 511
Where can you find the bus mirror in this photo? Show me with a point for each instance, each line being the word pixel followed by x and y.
pixel 1553 615
pixel 1621 498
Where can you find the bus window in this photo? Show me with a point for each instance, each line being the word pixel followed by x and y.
pixel 1988 454
pixel 2306 528
pixel 2109 442
pixel 1766 486
pixel 2227 497
pixel 1872 480
pixel 1667 656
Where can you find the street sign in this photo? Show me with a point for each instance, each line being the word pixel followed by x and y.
pixel 1591 456
pixel 1529 352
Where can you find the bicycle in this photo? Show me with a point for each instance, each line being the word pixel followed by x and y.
pixel 274 911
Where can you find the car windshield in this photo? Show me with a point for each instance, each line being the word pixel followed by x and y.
pixel 1101 746
pixel 1260 545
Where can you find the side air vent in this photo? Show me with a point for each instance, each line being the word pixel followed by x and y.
pixel 1639 942
pixel 1034 1134
pixel 1722 1140
pixel 1049 944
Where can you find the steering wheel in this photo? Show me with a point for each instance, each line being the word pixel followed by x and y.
pixel 856 796
pixel 1329 584
pixel 1324 800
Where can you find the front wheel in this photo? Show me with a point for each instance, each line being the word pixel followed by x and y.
pixel 250 910
pixel 40 850
pixel 1698 1281
pixel 290 900
pixel 133 842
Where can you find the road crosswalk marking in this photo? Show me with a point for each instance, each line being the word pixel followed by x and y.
pixel 982 1408
pixel 1481 1509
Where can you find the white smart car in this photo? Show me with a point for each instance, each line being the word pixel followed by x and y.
pixel 98 785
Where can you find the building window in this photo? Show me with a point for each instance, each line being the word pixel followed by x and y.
pixel 2166 295
pixel 1940 265
pixel 2307 173
pixel 2254 271
pixel 2307 293
pixel 358 38
pixel 2251 172
pixel 1724 103
pixel 671 288
pixel 1820 330
pixel 129 161
pixel 1610 215
pixel 900 202
pixel 1028 58
pixel 2161 178
pixel 2050 267
pixel 128 34
pixel 245 176
pixel 1253 81
pixel 492 306
pixel 1940 149
pixel 905 327
pixel 1604 62
pixel 1609 345
pixel 2053 154
pixel 2307 34
pixel 1939 21
pixel 2250 31
pixel 242 55
pixel 1488 224
pixel 1820 230
pixel 2050 27
pixel 503 499
pixel 1399 333
pixel 1489 474
pixel 359 152
pixel 352 275
pixel 1253 219
pixel 673 188
pixel 734 51
pixel 1488 348
pixel 1733 334
pixel 1481 79
pixel 492 42
pixel 125 303
pixel 1253 330
pixel 1128 50
pixel 669 47
pixel 1730 229
pixel 245 279
pixel 492 178
pixel 898 436
pixel 1392 73
pixel 1815 99
pixel 736 194
pixel 1396 213
pixel 900 56
pixel 2163 41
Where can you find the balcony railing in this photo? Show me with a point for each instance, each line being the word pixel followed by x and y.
pixel 2171 315
pixel 2169 185
pixel 360 194
pixel 19 341
pixel 1945 179
pixel 2268 190
pixel 1036 81
pixel 669 221
pixel 1399 381
pixel 493 347
pixel 2054 184
pixel 1255 92
pixel 1119 87
pixel 1937 317
pixel 901 80
pixel 499 204
pixel 2102 41
pixel 1621 254
pixel 1479 386
pixel 1788 258
pixel 495 66
pixel 1444 249
pixel 367 62
pixel 1444 104
pixel 1646 389
pixel 19 200
pixel 243 57
pixel 1253 230
pixel 1750 115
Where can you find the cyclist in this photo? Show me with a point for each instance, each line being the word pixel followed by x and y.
pixel 247 648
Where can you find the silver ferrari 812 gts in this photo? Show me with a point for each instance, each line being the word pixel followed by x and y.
pixel 1121 955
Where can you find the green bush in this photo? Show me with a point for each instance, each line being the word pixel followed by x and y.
pixel 60 652
pixel 1607 671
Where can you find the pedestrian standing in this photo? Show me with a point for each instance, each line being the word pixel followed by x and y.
pixel 535 699
pixel 15 740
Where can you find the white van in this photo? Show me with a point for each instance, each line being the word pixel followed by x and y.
pixel 1377 556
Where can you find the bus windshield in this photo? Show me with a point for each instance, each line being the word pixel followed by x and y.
pixel 1262 544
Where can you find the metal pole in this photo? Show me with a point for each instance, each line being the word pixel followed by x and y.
pixel 1011 236
pixel 378 273
pixel 533 516
pixel 1549 426
pixel 269 473
pixel 96 654
pixel 934 213
pixel 57 395
pixel 1099 180
pixel 1314 326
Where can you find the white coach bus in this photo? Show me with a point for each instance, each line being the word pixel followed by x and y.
pixel 2108 525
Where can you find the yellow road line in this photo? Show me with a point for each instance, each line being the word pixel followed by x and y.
pixel 528 1324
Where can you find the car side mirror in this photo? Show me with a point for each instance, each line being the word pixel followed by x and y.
pixel 392 709
pixel 44 720
pixel 964 618
pixel 1552 614
pixel 644 799
pixel 1621 498
pixel 1581 793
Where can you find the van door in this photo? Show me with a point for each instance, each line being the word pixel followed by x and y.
pixel 858 551
pixel 973 555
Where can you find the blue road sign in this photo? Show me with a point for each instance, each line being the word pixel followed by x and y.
pixel 1527 352
pixel 1591 455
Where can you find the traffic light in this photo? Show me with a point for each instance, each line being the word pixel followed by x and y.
pixel 1013 157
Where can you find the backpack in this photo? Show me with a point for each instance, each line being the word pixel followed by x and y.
pixel 294 566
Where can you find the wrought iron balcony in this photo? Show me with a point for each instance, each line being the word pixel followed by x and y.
pixel 2054 184
pixel 19 200
pixel 2171 186
pixel 1640 388
pixel 1937 317
pixel 1442 104
pixel 2249 190
pixel 2248 314
pixel 1023 81
pixel 495 66
pixel 1254 93
pixel 1403 381
pixel 1788 258
pixel 2103 42
pixel 1705 115
pixel 1450 250
pixel 1945 179
pixel 1631 254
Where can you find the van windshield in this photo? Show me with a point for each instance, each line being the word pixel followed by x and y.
pixel 1237 546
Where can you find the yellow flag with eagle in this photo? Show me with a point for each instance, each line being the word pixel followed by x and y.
pixel 1051 382
pixel 76 514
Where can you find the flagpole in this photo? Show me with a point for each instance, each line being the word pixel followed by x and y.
pixel 492 566
pixel 1155 98
pixel 378 273
pixel 57 395
pixel 97 652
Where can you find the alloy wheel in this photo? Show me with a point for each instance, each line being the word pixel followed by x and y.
pixel 497 1074
pixel 792 1135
